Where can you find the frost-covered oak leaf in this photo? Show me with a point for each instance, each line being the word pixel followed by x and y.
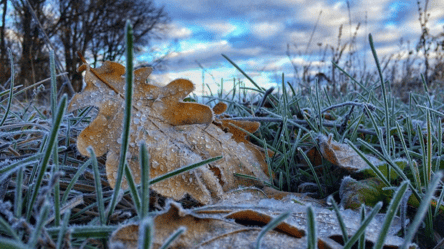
pixel 177 134
pixel 239 135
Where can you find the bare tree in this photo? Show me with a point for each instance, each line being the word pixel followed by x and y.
pixel 3 58
pixel 97 27
pixel 31 42
pixel 3 30
pixel 94 28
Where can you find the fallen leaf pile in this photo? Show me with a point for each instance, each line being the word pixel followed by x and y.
pixel 177 134
pixel 238 219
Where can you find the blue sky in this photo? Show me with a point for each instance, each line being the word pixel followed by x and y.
pixel 255 34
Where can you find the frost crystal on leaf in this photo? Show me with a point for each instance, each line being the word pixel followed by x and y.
pixel 177 134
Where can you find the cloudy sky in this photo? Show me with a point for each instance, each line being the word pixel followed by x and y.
pixel 255 34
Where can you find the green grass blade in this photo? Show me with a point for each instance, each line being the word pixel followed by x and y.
pixel 340 219
pixel 11 244
pixel 384 93
pixel 13 166
pixel 370 164
pixel 127 118
pixel 11 92
pixel 315 176
pixel 56 193
pixel 389 162
pixel 268 161
pixel 439 147
pixel 8 91
pixel 423 155
pixel 3 176
pixel 8 229
pixel 363 226
pixel 146 233
pixel 98 185
pixel 173 237
pixel 318 103
pixel 53 82
pixel 240 70
pixel 18 205
pixel 74 180
pixel 422 210
pixel 311 229
pixel 28 87
pixel 351 77
pixel 145 180
pixel 361 242
pixel 407 154
pixel 255 137
pixel 39 226
pixel 428 164
pixel 249 177
pixel 47 154
pixel 292 89
pixel 390 215
pixel 81 232
pixel 270 226
pixel 63 229
pixel 438 204
pixel 55 156
pixel 132 188
pixel 183 169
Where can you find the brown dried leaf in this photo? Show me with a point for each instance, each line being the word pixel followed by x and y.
pixel 326 219
pixel 176 133
pixel 343 155
pixel 240 136
pixel 210 232
pixel 314 156
pixel 236 221
pixel 220 108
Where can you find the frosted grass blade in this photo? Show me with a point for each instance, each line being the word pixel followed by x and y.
pixel 390 215
pixel 47 154
pixel 11 92
pixel 270 226
pixel 127 117
pixel 422 210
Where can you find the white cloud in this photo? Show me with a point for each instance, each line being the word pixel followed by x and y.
pixel 298 37
pixel 384 51
pixel 288 3
pixel 267 29
pixel 388 34
pixel 221 28
pixel 176 31
pixel 202 49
